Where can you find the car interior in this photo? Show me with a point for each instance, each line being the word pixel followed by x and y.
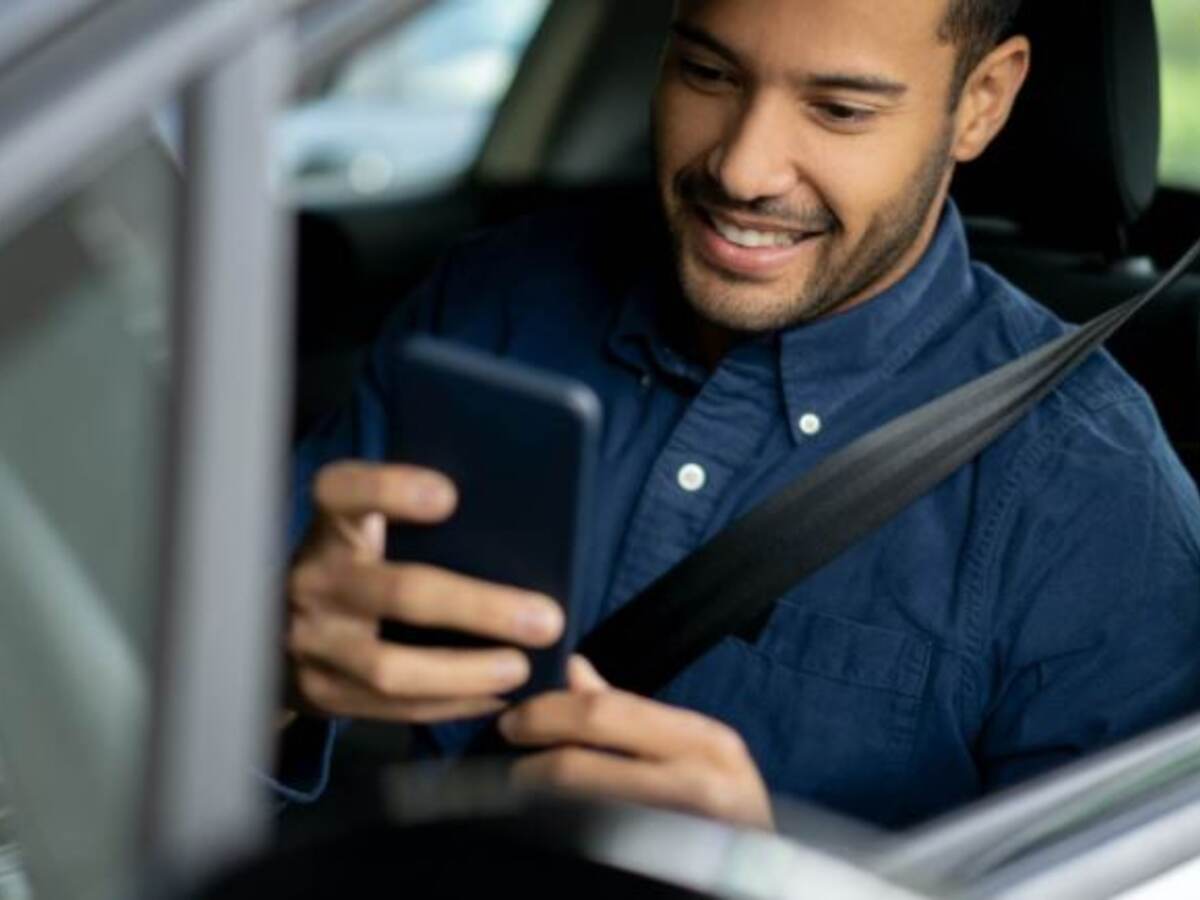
pixel 105 668
pixel 1066 205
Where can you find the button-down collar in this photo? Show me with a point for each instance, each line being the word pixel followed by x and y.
pixel 853 351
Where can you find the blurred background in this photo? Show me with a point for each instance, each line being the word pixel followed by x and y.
pixel 414 108
pixel 1179 31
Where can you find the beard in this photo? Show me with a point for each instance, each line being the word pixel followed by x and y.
pixel 840 272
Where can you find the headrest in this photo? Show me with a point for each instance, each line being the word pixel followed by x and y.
pixel 1078 163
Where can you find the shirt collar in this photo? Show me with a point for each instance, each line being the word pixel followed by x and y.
pixel 826 364
pixel 823 365
pixel 645 333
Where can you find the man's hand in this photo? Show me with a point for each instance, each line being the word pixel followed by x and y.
pixel 611 743
pixel 341 587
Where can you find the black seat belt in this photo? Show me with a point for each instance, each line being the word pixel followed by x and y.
pixel 730 585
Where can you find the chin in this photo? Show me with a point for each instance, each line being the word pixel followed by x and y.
pixel 743 306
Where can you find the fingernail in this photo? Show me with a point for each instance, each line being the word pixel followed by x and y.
pixel 433 495
pixel 540 620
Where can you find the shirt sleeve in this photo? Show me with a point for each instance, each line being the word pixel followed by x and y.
pixel 358 430
pixel 1096 609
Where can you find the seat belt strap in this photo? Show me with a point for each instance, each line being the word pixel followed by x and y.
pixel 730 585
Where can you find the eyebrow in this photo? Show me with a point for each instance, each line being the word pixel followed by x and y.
pixel 866 84
pixel 696 35
pixel 844 81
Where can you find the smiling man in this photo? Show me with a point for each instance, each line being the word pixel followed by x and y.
pixel 811 282
pixel 794 191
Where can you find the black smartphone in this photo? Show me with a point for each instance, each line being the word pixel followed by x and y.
pixel 521 446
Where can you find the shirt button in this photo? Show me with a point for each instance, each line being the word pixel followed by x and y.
pixel 810 424
pixel 692 478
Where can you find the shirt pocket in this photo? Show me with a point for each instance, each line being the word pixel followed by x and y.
pixel 828 706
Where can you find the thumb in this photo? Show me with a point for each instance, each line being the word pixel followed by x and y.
pixel 582 676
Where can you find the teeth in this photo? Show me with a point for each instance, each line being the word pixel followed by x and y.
pixel 744 237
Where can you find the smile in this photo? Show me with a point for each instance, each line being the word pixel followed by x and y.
pixel 754 238
pixel 740 248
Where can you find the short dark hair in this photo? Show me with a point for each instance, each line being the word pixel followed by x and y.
pixel 975 27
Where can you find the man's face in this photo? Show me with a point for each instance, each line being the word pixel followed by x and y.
pixel 803 151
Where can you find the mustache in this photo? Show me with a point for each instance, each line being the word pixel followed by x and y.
pixel 699 189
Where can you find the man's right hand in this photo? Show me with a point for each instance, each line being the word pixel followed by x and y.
pixel 341 586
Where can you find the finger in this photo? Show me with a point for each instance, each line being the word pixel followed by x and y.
pixel 395 671
pixel 627 723
pixel 435 598
pixel 329 693
pixel 595 773
pixel 582 676
pixel 693 788
pixel 361 539
pixel 399 492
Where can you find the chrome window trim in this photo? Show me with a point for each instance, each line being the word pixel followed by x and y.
pixel 970 844
pixel 27 24
pixel 217 665
pixel 59 108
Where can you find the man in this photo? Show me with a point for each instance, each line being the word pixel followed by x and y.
pixel 1042 602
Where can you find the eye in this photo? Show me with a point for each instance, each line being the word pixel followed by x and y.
pixel 843 114
pixel 703 75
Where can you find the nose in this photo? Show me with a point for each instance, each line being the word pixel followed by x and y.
pixel 755 161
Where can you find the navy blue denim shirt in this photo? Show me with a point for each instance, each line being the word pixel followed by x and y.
pixel 1042 602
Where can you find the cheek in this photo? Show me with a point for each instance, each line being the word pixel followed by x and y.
pixel 861 176
pixel 688 126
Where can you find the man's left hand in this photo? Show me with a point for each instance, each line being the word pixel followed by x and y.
pixel 620 745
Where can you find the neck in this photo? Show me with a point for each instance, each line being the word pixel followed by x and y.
pixel 712 342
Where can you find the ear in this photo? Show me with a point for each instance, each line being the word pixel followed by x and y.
pixel 988 97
